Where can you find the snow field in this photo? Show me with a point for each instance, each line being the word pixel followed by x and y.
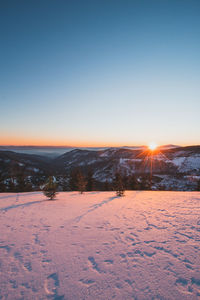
pixel 145 245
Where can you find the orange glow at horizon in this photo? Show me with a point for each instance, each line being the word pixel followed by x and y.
pixel 53 142
pixel 42 142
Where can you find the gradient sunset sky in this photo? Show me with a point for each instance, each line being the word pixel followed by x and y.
pixel 90 73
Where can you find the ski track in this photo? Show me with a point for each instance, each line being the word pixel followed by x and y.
pixel 144 245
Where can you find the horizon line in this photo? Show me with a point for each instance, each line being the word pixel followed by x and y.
pixel 94 146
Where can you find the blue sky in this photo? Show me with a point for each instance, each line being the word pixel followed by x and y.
pixel 100 72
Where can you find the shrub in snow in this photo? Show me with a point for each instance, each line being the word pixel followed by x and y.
pixel 50 188
pixel 118 184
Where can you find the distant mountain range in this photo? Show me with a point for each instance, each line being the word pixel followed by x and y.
pixel 172 167
pixel 54 151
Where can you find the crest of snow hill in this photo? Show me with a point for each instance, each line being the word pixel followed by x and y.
pixel 168 168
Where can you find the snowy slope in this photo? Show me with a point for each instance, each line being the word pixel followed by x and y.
pixel 103 164
pixel 145 245
pixel 186 164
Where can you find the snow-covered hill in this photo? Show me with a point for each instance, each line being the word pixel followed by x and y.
pixel 182 159
pixel 175 168
pixel 96 246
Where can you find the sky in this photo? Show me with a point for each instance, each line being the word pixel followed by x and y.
pixel 97 73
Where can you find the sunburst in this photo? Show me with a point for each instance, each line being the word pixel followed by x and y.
pixel 152 146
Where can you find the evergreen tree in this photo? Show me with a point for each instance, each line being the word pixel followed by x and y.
pixel 125 181
pixel 145 183
pixel 73 178
pixel 50 188
pixel 81 183
pixel 20 183
pixel 133 183
pixel 118 184
pixel 107 186
pixel 198 185
pixel 28 185
pixel 11 184
pixel 2 183
pixel 2 187
pixel 90 181
pixel 64 183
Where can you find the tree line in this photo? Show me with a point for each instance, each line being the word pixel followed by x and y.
pixel 77 181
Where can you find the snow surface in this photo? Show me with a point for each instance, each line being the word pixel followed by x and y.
pixel 98 246
pixel 189 163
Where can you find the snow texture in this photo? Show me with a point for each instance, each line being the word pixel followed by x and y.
pixel 186 164
pixel 145 245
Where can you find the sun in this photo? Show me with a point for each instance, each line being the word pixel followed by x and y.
pixel 152 146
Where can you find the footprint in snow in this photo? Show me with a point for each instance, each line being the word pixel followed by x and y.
pixel 51 285
pixel 109 261
pixel 196 285
pixel 94 264
pixel 87 281
pixel 6 248
pixel 122 255
pixel 27 266
pixel 183 285
pixel 18 256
